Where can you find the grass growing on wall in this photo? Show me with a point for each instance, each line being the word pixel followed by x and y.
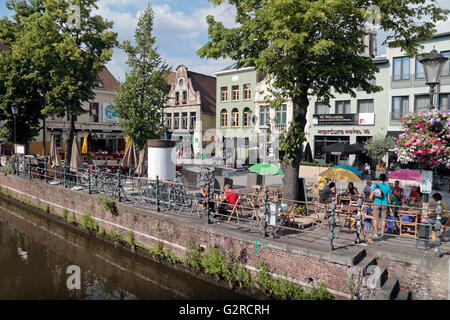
pixel 108 204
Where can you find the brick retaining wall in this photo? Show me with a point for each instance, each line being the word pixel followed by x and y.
pixel 294 262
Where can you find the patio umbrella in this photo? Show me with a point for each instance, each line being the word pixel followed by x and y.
pixel 406 177
pixel 346 167
pixel 84 149
pixel 307 154
pixel 339 174
pixel 130 159
pixel 54 156
pixel 141 161
pixel 343 148
pixel 266 169
pixel 127 142
pixel 405 174
pixel 75 161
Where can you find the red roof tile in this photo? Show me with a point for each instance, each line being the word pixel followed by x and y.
pixel 109 82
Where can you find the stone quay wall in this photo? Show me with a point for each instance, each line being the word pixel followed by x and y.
pixel 301 264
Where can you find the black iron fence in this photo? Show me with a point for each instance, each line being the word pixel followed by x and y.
pixel 261 209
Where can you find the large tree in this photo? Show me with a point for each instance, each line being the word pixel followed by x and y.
pixel 141 98
pixel 66 49
pixel 308 47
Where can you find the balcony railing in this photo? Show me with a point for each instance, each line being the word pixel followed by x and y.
pixel 280 127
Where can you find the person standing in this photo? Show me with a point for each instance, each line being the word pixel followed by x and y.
pixel 368 189
pixel 381 196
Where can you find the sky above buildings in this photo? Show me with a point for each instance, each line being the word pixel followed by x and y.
pixel 180 29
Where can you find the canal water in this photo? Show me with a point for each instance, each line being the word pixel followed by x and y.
pixel 36 253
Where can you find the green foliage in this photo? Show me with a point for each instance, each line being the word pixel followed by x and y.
pixel 284 289
pixel 108 204
pixel 306 48
pixel 313 164
pixel 291 142
pixel 115 236
pixel 88 223
pixel 51 68
pixel 301 211
pixel 101 231
pixel 214 262
pixel 193 256
pixel 130 239
pixel 71 218
pixel 46 208
pixel 64 213
pixel 378 146
pixel 140 99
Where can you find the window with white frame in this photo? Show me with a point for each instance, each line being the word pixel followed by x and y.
pixel 264 115
pixel 446 70
pixel 281 114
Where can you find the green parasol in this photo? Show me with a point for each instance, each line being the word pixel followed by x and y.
pixel 266 169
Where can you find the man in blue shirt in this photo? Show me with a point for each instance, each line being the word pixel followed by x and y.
pixel 381 207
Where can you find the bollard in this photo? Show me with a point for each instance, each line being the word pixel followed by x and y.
pixel 89 181
pixel 118 186
pixel 208 194
pixel 331 233
pixel 358 220
pixel 45 169
pixel 29 168
pixel 437 229
pixel 264 207
pixel 157 194
pixel 14 165
pixel 65 174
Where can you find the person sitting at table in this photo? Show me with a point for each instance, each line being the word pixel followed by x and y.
pixel 201 197
pixel 397 191
pixel 414 193
pixel 228 200
pixel 351 190
pixel 327 193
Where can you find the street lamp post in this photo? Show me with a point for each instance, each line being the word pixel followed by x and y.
pixel 15 111
pixel 433 63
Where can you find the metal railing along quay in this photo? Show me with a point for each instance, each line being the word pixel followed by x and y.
pixel 260 209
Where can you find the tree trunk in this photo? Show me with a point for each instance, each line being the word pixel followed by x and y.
pixel 291 183
pixel 70 136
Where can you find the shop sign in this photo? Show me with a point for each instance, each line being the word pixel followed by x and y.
pixel 427 182
pixel 109 115
pixel 336 119
pixel 343 132
pixel 366 119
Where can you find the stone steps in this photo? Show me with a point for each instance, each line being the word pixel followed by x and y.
pixel 387 288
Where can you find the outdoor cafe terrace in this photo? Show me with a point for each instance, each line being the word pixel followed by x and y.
pixel 259 209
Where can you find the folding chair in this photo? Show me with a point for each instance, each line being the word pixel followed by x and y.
pixel 408 222
pixel 235 211
pixel 197 206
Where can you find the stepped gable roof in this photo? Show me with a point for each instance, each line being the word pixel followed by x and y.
pixel 207 87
